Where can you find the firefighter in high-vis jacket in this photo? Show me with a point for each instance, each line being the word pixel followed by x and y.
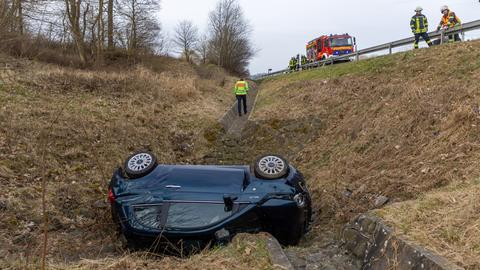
pixel 449 20
pixel 304 60
pixel 241 91
pixel 419 26
pixel 292 64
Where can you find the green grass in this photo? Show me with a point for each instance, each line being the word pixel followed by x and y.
pixel 374 65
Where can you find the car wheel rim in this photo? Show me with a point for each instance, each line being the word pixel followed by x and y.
pixel 140 162
pixel 271 165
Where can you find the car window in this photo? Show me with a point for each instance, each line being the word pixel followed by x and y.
pixel 195 215
pixel 149 216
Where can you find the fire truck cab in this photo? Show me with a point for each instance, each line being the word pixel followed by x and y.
pixel 325 47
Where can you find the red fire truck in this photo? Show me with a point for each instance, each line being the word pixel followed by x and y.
pixel 325 47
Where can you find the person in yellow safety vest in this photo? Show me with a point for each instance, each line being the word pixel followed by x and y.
pixel 449 20
pixel 419 26
pixel 241 91
pixel 295 62
pixel 291 65
pixel 304 60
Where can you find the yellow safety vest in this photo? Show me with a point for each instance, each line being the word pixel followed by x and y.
pixel 450 20
pixel 241 88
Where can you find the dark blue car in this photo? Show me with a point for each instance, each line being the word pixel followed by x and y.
pixel 154 203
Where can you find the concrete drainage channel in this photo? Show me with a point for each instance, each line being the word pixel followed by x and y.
pixel 367 243
pixel 368 238
pixel 234 124
pixel 372 242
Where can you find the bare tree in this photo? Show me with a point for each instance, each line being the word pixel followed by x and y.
pixel 19 16
pixel 230 46
pixel 163 45
pixel 84 27
pixel 186 38
pixel 6 15
pixel 11 16
pixel 202 48
pixel 140 27
pixel 75 16
pixel 100 30
pixel 110 25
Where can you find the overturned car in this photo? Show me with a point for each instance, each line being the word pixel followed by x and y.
pixel 152 203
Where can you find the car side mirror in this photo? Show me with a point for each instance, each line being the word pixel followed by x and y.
pixel 228 201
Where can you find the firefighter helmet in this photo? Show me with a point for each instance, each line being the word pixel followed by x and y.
pixel 443 8
pixel 418 9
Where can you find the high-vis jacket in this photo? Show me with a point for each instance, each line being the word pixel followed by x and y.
pixel 241 88
pixel 304 60
pixel 419 24
pixel 449 21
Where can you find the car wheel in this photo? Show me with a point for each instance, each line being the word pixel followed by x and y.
pixel 270 167
pixel 140 164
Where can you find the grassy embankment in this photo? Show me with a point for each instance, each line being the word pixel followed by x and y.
pixel 71 128
pixel 405 126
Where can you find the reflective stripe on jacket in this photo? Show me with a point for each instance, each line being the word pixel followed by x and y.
pixel 450 20
pixel 419 24
pixel 241 88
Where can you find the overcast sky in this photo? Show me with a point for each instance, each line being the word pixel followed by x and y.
pixel 281 28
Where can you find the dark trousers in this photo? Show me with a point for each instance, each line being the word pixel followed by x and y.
pixel 242 99
pixel 451 38
pixel 425 37
pixel 454 37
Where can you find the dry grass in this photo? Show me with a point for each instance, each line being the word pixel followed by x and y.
pixel 90 121
pixel 246 251
pixel 398 126
pixel 446 221
pixel 402 125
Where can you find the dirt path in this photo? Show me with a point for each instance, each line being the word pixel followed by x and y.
pixel 232 122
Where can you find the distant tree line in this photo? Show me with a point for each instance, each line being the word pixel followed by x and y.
pixel 94 28
pixel 227 42
pixel 99 29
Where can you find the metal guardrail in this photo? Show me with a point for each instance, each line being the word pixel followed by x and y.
pixel 387 46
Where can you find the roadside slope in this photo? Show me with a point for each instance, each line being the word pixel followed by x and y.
pixel 71 128
pixel 397 126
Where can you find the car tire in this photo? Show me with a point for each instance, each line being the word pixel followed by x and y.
pixel 270 167
pixel 140 164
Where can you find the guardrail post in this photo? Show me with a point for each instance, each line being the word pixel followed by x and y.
pixel 390 48
pixel 441 36
pixel 356 56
